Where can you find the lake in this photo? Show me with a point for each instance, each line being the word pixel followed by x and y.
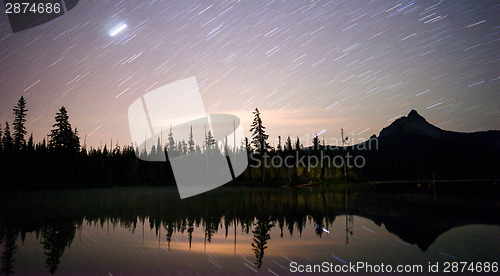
pixel 245 231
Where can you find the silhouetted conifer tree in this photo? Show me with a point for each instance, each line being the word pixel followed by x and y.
pixel 298 146
pixel 315 143
pixel 191 141
pixel 259 136
pixel 278 148
pixel 30 146
pixel 288 145
pixel 184 147
pixel 7 138
pixel 171 141
pixel 19 120
pixel 210 141
pixel 62 137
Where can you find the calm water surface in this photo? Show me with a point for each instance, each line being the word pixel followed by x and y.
pixel 233 230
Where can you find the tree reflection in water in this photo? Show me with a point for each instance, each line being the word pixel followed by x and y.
pixel 55 238
pixel 56 215
pixel 260 238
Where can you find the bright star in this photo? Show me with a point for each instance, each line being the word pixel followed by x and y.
pixel 117 29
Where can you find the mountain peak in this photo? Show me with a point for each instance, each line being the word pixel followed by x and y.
pixel 414 114
pixel 414 123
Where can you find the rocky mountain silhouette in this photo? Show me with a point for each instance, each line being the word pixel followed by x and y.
pixel 411 148
pixel 413 124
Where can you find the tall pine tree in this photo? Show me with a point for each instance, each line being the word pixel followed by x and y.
pixel 171 142
pixel 19 120
pixel 62 137
pixel 191 141
pixel 259 136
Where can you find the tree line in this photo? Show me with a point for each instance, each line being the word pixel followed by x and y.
pixel 62 161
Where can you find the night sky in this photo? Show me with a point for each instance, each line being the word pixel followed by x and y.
pixel 309 66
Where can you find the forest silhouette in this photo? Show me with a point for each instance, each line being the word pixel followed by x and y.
pixel 399 154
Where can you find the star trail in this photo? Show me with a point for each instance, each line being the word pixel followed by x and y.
pixel 310 66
